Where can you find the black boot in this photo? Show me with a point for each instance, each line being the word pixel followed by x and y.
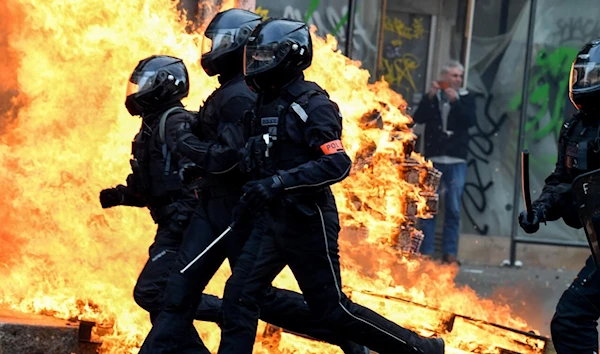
pixel 432 346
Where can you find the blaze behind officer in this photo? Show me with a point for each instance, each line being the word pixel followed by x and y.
pixel 573 326
pixel 295 153
pixel 212 143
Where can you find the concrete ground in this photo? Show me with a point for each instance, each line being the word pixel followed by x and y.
pixel 534 289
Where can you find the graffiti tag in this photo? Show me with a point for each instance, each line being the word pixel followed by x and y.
pixel 398 71
pixel 403 31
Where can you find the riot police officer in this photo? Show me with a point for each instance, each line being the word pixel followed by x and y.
pixel 154 92
pixel 573 326
pixel 294 153
pixel 212 143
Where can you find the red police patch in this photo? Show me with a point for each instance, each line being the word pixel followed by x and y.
pixel 332 147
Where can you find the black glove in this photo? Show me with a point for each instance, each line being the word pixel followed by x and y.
pixel 259 193
pixel 240 212
pixel 247 155
pixel 190 172
pixel 533 225
pixel 111 197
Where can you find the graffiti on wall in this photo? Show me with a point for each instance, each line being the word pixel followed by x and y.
pixel 404 54
pixel 549 104
pixel 478 186
pixel 488 194
pixel 295 14
pixel 404 31
pixel 548 90
pixel 331 17
pixel 548 94
pixel 328 20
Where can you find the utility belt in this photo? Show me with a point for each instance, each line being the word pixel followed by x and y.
pixel 312 195
pixel 303 202
pixel 162 213
pixel 159 202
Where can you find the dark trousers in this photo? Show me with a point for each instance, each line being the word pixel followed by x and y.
pixel 308 244
pixel 149 290
pixel 184 291
pixel 152 280
pixel 575 322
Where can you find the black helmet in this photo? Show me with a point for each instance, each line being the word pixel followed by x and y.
pixel 584 87
pixel 225 36
pixel 277 51
pixel 156 82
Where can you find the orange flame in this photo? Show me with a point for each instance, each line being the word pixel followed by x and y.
pixel 67 135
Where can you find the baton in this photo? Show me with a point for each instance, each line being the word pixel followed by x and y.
pixel 242 205
pixel 212 244
pixel 525 184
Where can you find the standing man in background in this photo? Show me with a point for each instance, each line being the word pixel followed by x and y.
pixel 448 111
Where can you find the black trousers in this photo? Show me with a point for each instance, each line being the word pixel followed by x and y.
pixel 183 294
pixel 149 291
pixel 308 243
pixel 575 322
pixel 152 281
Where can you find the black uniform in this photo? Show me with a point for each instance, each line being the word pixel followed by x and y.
pixel 300 226
pixel 574 325
pixel 170 204
pixel 154 91
pixel 220 189
pixel 212 143
pixel 155 184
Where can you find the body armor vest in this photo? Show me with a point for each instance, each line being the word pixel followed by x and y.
pixel 155 172
pixel 277 131
pixel 210 121
pixel 581 145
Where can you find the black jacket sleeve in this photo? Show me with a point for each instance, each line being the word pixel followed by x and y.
pixel 221 155
pixel 463 109
pixel 173 124
pixel 425 110
pixel 323 127
pixel 556 192
pixel 129 195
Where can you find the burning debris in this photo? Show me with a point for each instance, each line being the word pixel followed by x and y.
pixel 440 321
pixel 407 238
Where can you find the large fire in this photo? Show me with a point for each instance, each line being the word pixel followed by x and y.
pixel 66 135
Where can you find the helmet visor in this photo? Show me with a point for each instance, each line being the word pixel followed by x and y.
pixel 220 40
pixel 259 58
pixel 585 75
pixel 140 82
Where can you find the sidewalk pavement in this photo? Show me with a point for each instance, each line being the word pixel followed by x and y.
pixel 532 290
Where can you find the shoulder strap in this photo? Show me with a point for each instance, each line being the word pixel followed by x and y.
pixel 568 126
pixel 162 134
pixel 298 99
pixel 163 122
